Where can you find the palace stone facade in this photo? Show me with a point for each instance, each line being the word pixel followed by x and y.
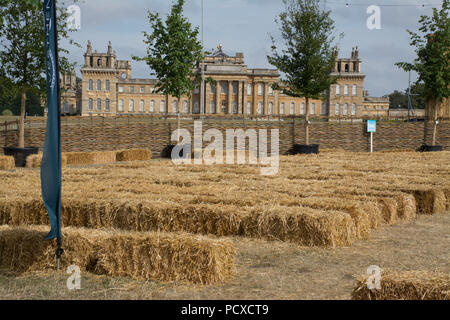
pixel 107 88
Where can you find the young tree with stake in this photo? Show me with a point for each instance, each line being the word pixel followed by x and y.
pixel 433 56
pixel 22 48
pixel 173 51
pixel 306 56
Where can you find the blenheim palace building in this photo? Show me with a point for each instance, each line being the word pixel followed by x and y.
pixel 107 88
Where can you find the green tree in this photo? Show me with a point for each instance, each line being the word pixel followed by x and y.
pixel 22 48
pixel 173 52
pixel 432 46
pixel 399 99
pixel 307 55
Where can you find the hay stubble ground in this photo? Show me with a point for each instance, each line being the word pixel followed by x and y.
pixel 268 270
pixel 303 234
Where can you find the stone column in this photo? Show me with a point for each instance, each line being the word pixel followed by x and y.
pixel 218 102
pixel 230 97
pixel 239 100
pixel 208 98
pixel 245 97
pixel 266 98
pixel 276 107
pixel 255 95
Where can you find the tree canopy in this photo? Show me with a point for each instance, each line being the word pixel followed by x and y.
pixel 432 46
pixel 173 51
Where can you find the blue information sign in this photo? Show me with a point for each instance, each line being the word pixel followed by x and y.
pixel 371 126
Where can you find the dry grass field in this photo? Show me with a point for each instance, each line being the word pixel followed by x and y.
pixel 303 233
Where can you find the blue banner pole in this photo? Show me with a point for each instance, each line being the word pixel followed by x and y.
pixel 51 160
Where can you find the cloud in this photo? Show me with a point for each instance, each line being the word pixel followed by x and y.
pixel 245 25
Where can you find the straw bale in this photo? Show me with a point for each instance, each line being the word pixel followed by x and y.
pixel 143 256
pixel 133 155
pixel 405 285
pixel 430 201
pixel 7 163
pixel 301 225
pixel 389 210
pixel 35 160
pixel 87 158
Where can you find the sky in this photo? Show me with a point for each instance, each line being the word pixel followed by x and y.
pixel 247 25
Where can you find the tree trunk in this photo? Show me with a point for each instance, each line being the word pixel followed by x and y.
pixel 307 122
pixel 21 143
pixel 436 105
pixel 178 118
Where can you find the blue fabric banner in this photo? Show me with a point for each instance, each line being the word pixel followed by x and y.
pixel 51 161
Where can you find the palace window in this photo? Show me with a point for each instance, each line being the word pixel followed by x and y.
pixel 249 89
pixel 196 107
pixel 323 111
pixel 142 89
pixel 282 111
pixel 91 85
pixel 338 109
pixel 91 104
pixel 223 88
pixel 354 90
pixel 120 89
pixel 152 106
pixel 121 104
pixel 99 104
pixel 107 85
pixel 260 89
pixel 353 109
pixel 346 90
pixel 152 90
pixel 131 106
pixel 213 89
pixel 66 107
pixel 302 108
pixel 313 108
pixel 99 85
pixel 292 111
pixel 99 62
pixel 213 107
pixel 235 88
pixel 235 108
pixel 338 90
pixel 270 90
pixel 107 105
pixel 186 106
pixel 162 106
pixel 142 106
pixel 249 107
pixel 270 108
pixel 260 108
pixel 175 106
pixel 345 109
pixel 197 89
pixel 131 89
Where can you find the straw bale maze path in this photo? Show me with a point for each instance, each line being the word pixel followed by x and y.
pixel 306 233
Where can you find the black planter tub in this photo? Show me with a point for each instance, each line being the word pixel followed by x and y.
pixel 20 154
pixel 428 148
pixel 305 149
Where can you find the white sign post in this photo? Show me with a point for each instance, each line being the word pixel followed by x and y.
pixel 371 128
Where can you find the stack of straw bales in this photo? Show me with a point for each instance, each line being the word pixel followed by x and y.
pixel 133 155
pixel 35 160
pixel 143 256
pixel 88 158
pixel 405 285
pixel 7 163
